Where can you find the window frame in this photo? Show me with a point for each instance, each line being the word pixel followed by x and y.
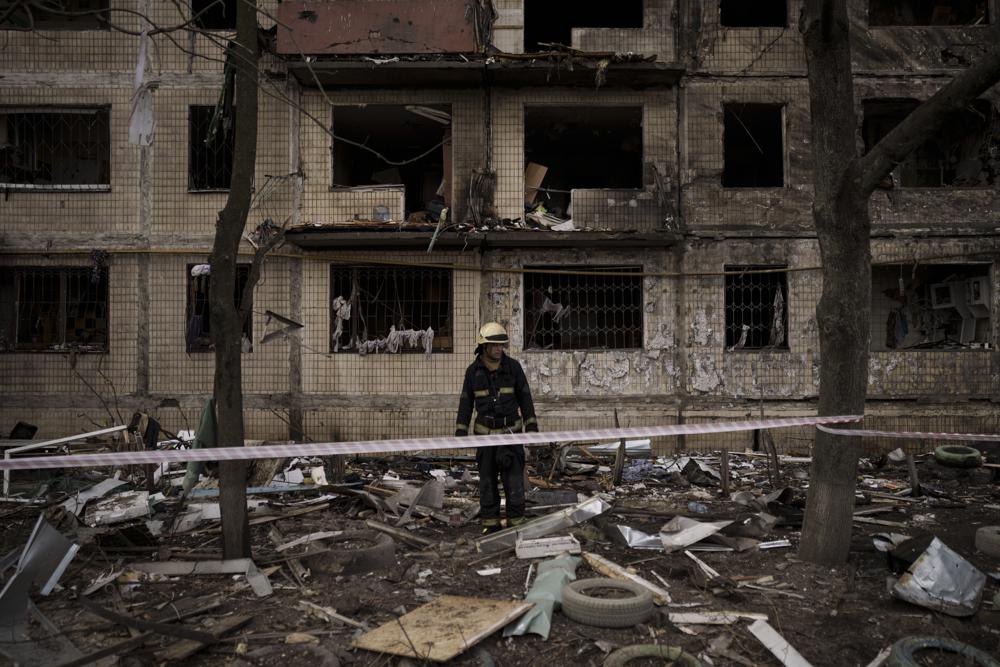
pixel 206 152
pixel 782 108
pixel 731 271
pixel 445 276
pixel 529 327
pixel 62 307
pixel 242 275
pixel 106 158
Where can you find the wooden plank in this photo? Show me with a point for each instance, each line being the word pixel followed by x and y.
pixel 442 629
pixel 188 647
pixel 604 566
pixel 776 644
pixel 713 617
pixel 299 570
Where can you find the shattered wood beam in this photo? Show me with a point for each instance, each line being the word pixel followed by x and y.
pixel 186 648
pixel 604 566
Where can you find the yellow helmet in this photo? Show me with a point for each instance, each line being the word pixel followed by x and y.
pixel 492 332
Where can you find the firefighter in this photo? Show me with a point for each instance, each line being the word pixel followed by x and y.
pixel 496 387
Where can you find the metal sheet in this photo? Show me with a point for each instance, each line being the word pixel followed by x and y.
pixel 546 593
pixel 44 559
pixel 544 525
pixel 313 27
pixel 942 580
pixel 681 531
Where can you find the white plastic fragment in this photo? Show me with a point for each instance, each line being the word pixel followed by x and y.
pixel 776 644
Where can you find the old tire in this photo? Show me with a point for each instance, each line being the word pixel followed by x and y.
pixel 621 612
pixel 988 540
pixel 903 650
pixel 379 555
pixel 674 654
pixel 958 456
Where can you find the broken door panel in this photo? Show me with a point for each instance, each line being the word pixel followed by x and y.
pixel 346 27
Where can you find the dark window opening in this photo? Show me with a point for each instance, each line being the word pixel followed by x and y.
pixel 965 152
pixel 759 14
pixel 54 309
pixel 928 12
pixel 756 308
pixel 388 310
pixel 583 312
pixel 552 21
pixel 210 150
pixel 931 306
pixel 418 136
pixel 62 15
pixel 48 147
pixel 199 318
pixel 214 14
pixel 579 147
pixel 753 146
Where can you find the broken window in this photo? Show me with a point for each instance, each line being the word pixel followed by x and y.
pixel 753 146
pixel 55 148
pixel 965 152
pixel 552 21
pixel 53 309
pixel 576 147
pixel 396 145
pixel 199 319
pixel 210 150
pixel 60 15
pixel 390 310
pixel 214 14
pixel 563 311
pixel 756 311
pixel 931 306
pixel 759 14
pixel 927 12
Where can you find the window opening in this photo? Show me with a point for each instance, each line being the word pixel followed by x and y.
pixel 214 14
pixel 390 310
pixel 965 152
pixel 583 312
pixel 54 309
pixel 414 150
pixel 568 148
pixel 199 318
pixel 50 147
pixel 72 15
pixel 210 151
pixel 552 21
pixel 759 14
pixel 756 308
pixel 753 146
pixel 931 306
pixel 927 12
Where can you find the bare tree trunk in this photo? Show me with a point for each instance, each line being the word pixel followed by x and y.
pixel 843 185
pixel 227 320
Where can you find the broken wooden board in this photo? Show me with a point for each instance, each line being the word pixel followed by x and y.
pixel 188 647
pixel 776 644
pixel 442 629
pixel 547 546
pixel 713 617
pixel 608 568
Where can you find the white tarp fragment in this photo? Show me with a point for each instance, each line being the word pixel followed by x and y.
pixel 942 580
pixel 140 121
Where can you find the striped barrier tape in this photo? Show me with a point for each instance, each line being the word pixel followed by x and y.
pixel 402 445
pixel 911 434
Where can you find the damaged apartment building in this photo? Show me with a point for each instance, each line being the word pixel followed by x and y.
pixel 626 187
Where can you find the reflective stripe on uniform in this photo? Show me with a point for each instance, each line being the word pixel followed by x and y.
pixel 530 420
pixel 506 390
pixel 482 393
pixel 462 427
pixel 491 522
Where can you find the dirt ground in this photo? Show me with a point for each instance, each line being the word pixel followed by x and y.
pixel 834 616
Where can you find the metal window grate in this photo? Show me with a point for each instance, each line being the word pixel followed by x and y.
pixel 367 304
pixel 53 309
pixel 580 312
pixel 756 310
pixel 71 15
pixel 199 322
pixel 210 156
pixel 48 147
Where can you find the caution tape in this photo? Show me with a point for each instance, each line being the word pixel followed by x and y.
pixel 930 435
pixel 402 445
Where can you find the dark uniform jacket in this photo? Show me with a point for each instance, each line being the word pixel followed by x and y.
pixel 497 397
